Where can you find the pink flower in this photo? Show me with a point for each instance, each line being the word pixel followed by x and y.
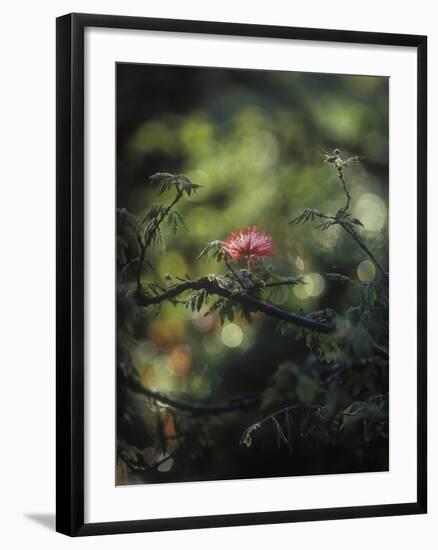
pixel 249 244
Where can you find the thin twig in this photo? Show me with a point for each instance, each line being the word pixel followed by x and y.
pixel 341 177
pixel 290 408
pixel 238 280
pixel 273 416
pixel 353 234
pixel 284 283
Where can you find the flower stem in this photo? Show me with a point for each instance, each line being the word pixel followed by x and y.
pixel 235 274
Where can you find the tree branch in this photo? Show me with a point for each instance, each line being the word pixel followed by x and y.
pixel 242 298
pixel 193 408
pixel 151 234
pixel 363 246
pixel 283 283
pixel 248 300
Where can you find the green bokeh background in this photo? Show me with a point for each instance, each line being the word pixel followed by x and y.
pixel 253 140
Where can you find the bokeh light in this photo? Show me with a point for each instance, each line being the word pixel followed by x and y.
pixel 200 386
pixel 181 360
pixel 279 295
pixel 366 271
pixel 299 263
pixel 213 345
pixel 161 365
pixel 313 287
pixel 301 292
pixel 328 238
pixel 232 335
pixel 204 323
pixel 371 211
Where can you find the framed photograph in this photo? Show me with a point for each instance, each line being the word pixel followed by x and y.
pixel 241 274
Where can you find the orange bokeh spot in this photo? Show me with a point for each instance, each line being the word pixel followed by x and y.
pixel 169 427
pixel 166 334
pixel 181 360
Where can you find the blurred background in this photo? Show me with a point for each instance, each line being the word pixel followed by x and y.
pixel 253 140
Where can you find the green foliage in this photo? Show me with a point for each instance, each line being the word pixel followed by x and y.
pixel 317 415
pixel 321 393
pixel 291 383
pixel 214 251
pixel 337 161
pixel 314 417
pixel 174 220
pixel 128 248
pixel 178 182
pixel 369 417
pixel 295 425
pixel 308 215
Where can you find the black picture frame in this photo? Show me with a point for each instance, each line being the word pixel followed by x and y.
pixel 70 273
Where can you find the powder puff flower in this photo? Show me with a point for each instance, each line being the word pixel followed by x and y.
pixel 249 244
